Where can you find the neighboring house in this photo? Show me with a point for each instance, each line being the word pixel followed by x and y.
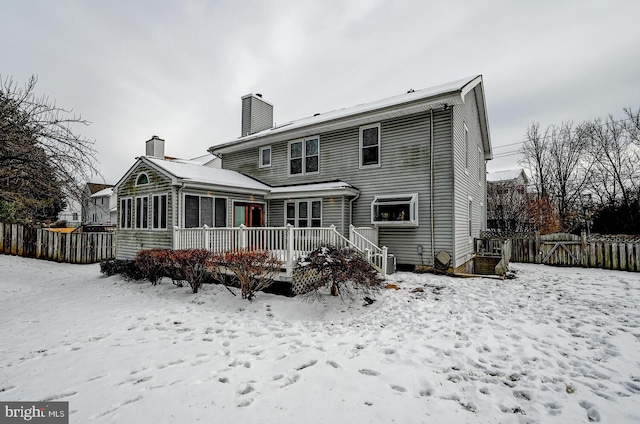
pixel 72 213
pixel 412 167
pixel 105 207
pixel 96 200
pixel 507 200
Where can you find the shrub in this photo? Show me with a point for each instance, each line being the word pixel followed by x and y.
pixel 193 265
pixel 344 271
pixel 254 270
pixel 153 263
pixel 127 269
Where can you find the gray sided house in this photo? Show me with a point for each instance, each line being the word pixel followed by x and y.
pixel 406 173
pixel 411 166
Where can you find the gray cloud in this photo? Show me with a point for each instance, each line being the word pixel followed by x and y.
pixel 178 69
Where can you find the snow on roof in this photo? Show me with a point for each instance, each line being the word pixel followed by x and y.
pixel 412 95
pixel 104 192
pixel 207 175
pixel 333 185
pixel 200 160
pixel 507 174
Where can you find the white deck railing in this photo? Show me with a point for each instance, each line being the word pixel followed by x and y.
pixel 362 238
pixel 288 243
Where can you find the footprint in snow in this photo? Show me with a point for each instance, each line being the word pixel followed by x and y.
pixel 367 371
pixel 334 364
pixel 592 413
pixel 307 364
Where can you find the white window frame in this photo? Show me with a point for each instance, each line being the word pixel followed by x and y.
pixel 480 167
pixel 261 164
pixel 139 176
pixel 303 141
pixel 156 215
pixel 372 165
pixel 309 218
pixel 143 222
pixel 213 210
pixel 410 199
pixel 126 213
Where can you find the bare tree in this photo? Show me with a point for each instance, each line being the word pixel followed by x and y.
pixel 508 206
pixel 30 124
pixel 535 157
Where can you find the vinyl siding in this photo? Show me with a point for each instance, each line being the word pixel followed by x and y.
pixel 130 241
pixel 405 162
pixel 467 184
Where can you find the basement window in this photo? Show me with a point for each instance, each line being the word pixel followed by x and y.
pixel 394 210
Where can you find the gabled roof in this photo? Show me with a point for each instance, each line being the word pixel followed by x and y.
pixel 191 174
pixel 452 93
pixel 96 187
pixel 200 176
pixel 104 192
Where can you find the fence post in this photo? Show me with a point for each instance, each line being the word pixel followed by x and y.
pixel 538 245
pixel 351 233
pixel 384 262
pixel 583 246
pixel 289 265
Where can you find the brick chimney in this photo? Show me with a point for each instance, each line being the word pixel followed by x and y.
pixel 257 114
pixel 155 147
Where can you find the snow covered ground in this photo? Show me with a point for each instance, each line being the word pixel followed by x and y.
pixel 554 345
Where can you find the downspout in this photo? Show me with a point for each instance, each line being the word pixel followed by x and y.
pixel 433 248
pixel 176 208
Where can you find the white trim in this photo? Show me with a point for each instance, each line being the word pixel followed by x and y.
pixel 296 219
pixel 411 200
pixel 260 157
pixel 360 130
pixel 153 211
pixel 470 218
pixel 213 209
pixel 137 225
pixel 467 148
pixel 120 211
pixel 138 178
pixel 303 158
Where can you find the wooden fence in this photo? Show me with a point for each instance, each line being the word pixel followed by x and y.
pixel 617 252
pixel 40 243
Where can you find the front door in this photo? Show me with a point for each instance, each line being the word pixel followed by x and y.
pixel 249 214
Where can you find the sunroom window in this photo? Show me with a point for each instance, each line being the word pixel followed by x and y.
pixel 395 210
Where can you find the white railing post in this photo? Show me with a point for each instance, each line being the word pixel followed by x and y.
pixel 242 237
pixel 206 237
pixel 176 238
pixel 289 265
pixel 332 237
pixel 384 261
pixel 351 235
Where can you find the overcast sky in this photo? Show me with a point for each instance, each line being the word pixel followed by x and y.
pixel 177 69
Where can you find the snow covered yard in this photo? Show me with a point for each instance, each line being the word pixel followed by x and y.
pixel 555 345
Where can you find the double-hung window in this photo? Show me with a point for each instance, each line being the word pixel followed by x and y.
pixel 304 156
pixel 370 146
pixel 142 212
pixel 265 157
pixel 203 210
pixel 126 209
pixel 304 213
pixel 159 211
pixel 400 209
